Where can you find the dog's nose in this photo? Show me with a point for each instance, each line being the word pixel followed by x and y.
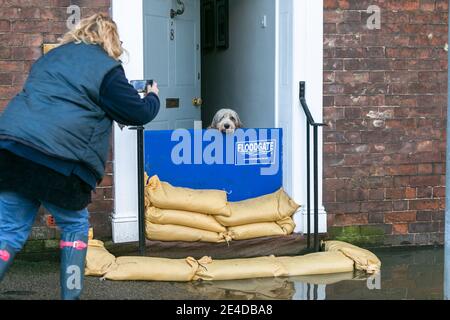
pixel 227 126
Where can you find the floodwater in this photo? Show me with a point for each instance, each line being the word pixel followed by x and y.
pixel 405 274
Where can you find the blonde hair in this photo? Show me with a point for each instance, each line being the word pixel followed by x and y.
pixel 97 29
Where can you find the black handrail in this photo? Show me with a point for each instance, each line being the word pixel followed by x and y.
pixel 311 123
pixel 141 187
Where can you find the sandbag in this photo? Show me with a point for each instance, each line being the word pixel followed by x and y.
pixel 100 262
pixel 268 208
pixel 167 232
pixel 316 263
pixel 98 259
pixel 265 229
pixel 184 218
pixel 238 269
pixel 363 259
pixel 288 225
pixel 153 269
pixel 165 196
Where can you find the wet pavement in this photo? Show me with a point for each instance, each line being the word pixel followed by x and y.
pixel 406 274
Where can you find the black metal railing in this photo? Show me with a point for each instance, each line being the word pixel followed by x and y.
pixel 311 123
pixel 141 187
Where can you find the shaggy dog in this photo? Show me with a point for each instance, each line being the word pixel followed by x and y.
pixel 226 121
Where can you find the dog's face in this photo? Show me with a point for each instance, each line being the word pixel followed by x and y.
pixel 226 121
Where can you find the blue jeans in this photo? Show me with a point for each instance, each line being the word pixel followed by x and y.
pixel 18 214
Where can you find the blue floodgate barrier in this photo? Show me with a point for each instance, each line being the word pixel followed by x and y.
pixel 246 164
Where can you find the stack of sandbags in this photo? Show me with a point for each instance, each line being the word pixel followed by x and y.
pixel 182 214
pixel 269 215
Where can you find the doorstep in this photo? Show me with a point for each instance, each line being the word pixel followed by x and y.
pixel 292 245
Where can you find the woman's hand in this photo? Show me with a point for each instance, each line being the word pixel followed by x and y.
pixel 153 89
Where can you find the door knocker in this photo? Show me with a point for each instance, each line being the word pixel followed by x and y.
pixel 178 12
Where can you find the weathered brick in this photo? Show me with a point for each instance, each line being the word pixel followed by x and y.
pixel 420 181
pixel 423 227
pixel 424 204
pixel 351 195
pixel 400 228
pixel 395 217
pixel 5 26
pixel 376 218
pixel 376 194
pixel 424 192
pixel 425 169
pixel 410 193
pixel 350 219
pixel 400 205
pixel 438 192
pixel 378 206
pixel 424 215
pixel 6 79
pixel 438 215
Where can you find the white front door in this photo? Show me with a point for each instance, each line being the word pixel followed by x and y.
pixel 172 58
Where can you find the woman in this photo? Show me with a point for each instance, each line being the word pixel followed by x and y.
pixel 54 141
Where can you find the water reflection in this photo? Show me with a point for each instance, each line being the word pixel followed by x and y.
pixel 405 274
pixel 294 288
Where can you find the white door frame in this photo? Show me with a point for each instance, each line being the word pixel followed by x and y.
pixel 128 15
pixel 299 58
pixel 299 25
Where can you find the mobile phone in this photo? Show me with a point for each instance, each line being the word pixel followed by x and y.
pixel 141 85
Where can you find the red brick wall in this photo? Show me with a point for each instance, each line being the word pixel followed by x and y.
pixel 24 26
pixel 385 102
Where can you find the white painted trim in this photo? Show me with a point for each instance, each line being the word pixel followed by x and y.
pixel 284 87
pixel 124 229
pixel 129 18
pixel 308 47
pixel 305 46
pixel 302 218
pixel 277 64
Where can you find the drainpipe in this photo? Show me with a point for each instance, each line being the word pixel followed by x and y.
pixel 447 201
